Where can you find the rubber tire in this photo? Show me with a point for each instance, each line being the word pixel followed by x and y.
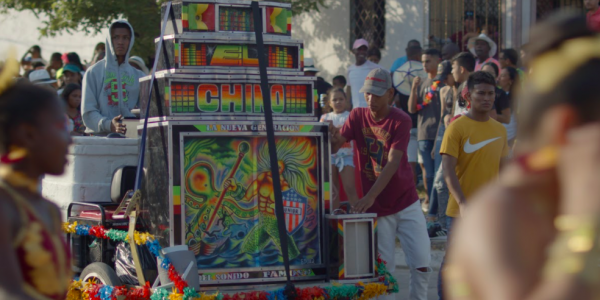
pixel 103 272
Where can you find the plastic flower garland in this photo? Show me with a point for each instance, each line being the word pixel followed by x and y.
pixel 139 238
pixel 429 95
pixel 181 291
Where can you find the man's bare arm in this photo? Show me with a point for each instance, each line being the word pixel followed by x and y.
pixel 449 167
pixel 349 93
pixel 337 139
pixel 382 181
pixel 414 94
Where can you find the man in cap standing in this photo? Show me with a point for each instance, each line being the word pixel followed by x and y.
pixel 358 72
pixel 382 133
pixel 484 50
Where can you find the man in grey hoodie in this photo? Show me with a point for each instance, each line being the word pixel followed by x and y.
pixel 111 87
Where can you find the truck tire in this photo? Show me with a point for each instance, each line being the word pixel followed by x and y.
pixel 102 273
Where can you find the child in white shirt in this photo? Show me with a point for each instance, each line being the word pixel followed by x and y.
pixel 342 164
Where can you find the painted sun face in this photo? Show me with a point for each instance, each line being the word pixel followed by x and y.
pixel 200 181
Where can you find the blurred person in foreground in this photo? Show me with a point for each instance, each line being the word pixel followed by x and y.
pixel 533 234
pixel 593 14
pixel 34 141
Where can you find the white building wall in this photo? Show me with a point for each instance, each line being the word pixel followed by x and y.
pixel 326 34
pixel 405 20
pixel 20 29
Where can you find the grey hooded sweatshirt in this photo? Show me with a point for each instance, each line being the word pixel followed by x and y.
pixel 109 89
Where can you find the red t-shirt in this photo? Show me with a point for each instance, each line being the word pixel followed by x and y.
pixel 374 141
pixel 593 20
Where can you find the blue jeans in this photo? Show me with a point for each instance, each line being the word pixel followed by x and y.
pixel 438 202
pixel 425 148
pixel 449 221
pixel 438 146
pixel 437 206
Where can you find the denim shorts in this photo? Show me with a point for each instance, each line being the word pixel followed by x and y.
pixel 341 161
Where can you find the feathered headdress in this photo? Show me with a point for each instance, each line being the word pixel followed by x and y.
pixel 9 71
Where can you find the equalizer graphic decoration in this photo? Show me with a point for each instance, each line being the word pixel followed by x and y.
pixel 241 55
pixel 236 19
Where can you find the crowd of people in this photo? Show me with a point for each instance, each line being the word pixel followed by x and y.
pixel 83 86
pixel 460 124
pixel 508 149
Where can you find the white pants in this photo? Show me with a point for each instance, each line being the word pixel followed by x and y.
pixel 411 229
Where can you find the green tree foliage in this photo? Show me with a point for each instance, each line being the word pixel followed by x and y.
pixel 91 16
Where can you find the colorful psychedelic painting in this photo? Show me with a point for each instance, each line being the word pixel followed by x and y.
pixel 230 207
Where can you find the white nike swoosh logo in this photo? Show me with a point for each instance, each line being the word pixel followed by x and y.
pixel 469 148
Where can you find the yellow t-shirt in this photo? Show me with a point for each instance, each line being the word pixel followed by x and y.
pixel 478 147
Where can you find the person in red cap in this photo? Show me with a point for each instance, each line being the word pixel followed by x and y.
pixel 382 133
pixel 358 72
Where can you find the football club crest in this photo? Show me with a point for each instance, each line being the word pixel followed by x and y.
pixel 294 207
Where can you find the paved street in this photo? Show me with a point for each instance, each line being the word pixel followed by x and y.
pixel 402 273
pixel 402 276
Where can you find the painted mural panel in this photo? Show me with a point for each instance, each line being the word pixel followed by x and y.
pixel 229 201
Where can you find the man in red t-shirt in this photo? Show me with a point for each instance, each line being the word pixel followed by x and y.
pixel 593 14
pixel 381 134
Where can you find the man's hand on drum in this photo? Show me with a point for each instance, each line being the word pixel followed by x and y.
pixel 117 126
pixel 362 205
